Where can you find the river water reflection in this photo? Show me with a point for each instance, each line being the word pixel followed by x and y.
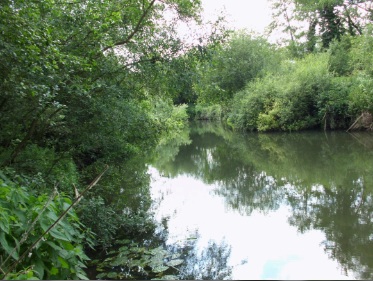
pixel 267 206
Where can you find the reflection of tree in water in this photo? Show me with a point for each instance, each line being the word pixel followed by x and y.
pixel 326 179
pixel 328 183
pixel 210 264
pixel 250 192
pixel 165 152
pixel 211 159
pixel 345 215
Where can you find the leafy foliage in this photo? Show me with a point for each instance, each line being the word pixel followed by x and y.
pixel 283 102
pixel 24 218
pixel 81 87
pixel 327 90
pixel 313 25
pixel 212 112
pixel 132 261
pixel 242 59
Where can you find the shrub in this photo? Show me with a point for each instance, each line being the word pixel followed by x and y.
pixel 332 104
pixel 208 112
pixel 286 100
pixel 27 249
pixel 53 169
pixel 361 95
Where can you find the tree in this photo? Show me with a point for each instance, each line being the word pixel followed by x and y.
pixel 242 59
pixel 77 82
pixel 310 23
pixel 52 67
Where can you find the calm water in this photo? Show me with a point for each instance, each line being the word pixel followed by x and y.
pixel 267 206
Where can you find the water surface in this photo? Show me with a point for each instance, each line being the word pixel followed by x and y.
pixel 267 206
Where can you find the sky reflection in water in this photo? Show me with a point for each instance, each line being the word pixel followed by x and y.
pixel 292 217
pixel 263 246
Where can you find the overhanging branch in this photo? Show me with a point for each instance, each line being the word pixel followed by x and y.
pixel 135 30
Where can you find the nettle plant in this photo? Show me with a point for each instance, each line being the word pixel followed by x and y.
pixel 41 236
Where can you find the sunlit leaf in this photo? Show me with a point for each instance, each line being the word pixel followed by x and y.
pixel 54 271
pixel 63 262
pixel 175 256
pixel 119 261
pixel 82 276
pixel 59 235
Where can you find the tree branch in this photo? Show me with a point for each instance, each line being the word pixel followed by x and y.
pixel 135 30
pixel 351 23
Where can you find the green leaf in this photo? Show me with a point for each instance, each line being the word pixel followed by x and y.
pixel 52 216
pixel 58 235
pixel 156 261
pixel 4 223
pixel 67 245
pixel 39 268
pixel 7 247
pixel 160 268
pixel 53 245
pixel 101 275
pixel 29 275
pixel 112 275
pixel 44 224
pixel 54 271
pixel 174 262
pixel 82 276
pixel 63 262
pixel 123 242
pixel 124 248
pixel 119 261
pixel 159 252
pixel 175 256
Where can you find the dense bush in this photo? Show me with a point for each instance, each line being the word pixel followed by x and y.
pixel 242 59
pixel 82 85
pixel 333 104
pixel 208 112
pixel 286 100
pixel 361 94
pixel 322 90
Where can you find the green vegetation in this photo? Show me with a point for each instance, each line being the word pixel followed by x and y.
pixel 323 178
pixel 139 261
pixel 327 89
pixel 83 84
pixel 86 84
pixel 317 78
pixel 31 248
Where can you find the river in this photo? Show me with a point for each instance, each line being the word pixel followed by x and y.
pixel 266 206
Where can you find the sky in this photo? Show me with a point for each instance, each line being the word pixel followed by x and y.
pixel 250 14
